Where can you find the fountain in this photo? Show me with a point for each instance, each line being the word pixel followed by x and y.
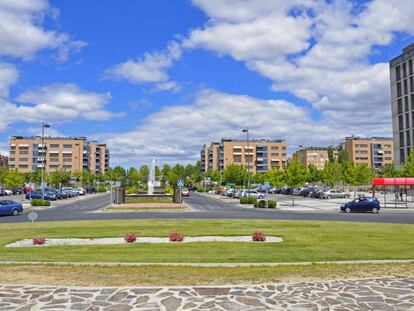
pixel 151 179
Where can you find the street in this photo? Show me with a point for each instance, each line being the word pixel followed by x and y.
pixel 205 207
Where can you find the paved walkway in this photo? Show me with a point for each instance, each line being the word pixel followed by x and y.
pixel 368 294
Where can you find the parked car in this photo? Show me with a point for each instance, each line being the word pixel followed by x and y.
pixel 362 204
pixel 334 194
pixel 49 196
pixel 231 192
pixel 253 194
pixel 221 191
pixel 296 191
pixel 8 192
pixel 9 207
pixel 286 190
pixel 81 191
pixel 316 193
pixel 185 192
pixel 90 189
pixel 238 194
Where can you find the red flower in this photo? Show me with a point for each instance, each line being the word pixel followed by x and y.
pixel 176 237
pixel 39 241
pixel 130 237
pixel 258 236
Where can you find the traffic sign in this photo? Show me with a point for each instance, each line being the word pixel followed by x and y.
pixel 32 216
pixel 117 184
pixel 180 183
pixel 266 184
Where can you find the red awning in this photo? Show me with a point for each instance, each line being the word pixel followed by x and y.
pixel 393 181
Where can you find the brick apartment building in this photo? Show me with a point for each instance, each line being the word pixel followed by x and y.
pixel 4 161
pixel 317 156
pixel 73 154
pixel 258 156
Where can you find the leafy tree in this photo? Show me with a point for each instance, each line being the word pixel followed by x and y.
pixel 58 178
pixel 172 179
pixel 213 175
pixel 389 171
pixel 314 175
pixel 133 176
pixel 144 172
pixel 332 173
pixel 275 177
pixel 342 156
pixel 157 171
pixel 331 155
pixel 407 169
pixel 234 174
pixel 13 179
pixel 3 174
pixel 295 176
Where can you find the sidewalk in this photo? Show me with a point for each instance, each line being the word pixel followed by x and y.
pixel 364 294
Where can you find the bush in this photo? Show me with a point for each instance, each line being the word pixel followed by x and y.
pixel 251 200
pixel 271 203
pixel 130 237
pixel 258 236
pixel 169 190
pixel 244 200
pixel 260 204
pixel 39 202
pixel 39 241
pixel 131 190
pixel 176 237
pixel 101 188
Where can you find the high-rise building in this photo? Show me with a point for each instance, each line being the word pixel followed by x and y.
pixel 375 152
pixel 73 154
pixel 402 103
pixel 257 156
pixel 4 161
pixel 316 156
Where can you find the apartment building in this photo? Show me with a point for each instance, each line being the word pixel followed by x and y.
pixel 258 156
pixel 375 151
pixel 4 161
pixel 316 156
pixel 73 154
pixel 402 103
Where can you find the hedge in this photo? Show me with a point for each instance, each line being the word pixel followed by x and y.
pixel 39 202
pixel 271 203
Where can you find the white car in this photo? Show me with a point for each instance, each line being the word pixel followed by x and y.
pixel 253 194
pixel 8 192
pixel 334 194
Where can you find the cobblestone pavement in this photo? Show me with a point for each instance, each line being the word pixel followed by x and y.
pixel 367 294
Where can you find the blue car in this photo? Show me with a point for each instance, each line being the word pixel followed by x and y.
pixel 49 196
pixel 362 204
pixel 9 207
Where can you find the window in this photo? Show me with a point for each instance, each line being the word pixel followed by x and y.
pixel 402 156
pixel 275 154
pixel 54 159
pixel 67 146
pixel 398 73
pixel 67 159
pixel 405 87
pixel 361 151
pixel 401 139
pixel 23 166
pixel 407 104
pixel 361 158
pixel 387 152
pixel 407 135
pixel 54 145
pixel 410 66
pixel 399 92
pixel 404 70
pixel 283 154
pixel 400 107
pixel 387 146
pixel 400 122
pixel 283 148
pixel 388 158
pixel 12 151
pixel 411 84
pixel 12 159
pixel 24 159
pixel 361 146
pixel 275 148
pixel 407 120
pixel 53 167
pixel 24 152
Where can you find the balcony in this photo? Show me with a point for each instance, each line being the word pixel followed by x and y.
pixel 237 153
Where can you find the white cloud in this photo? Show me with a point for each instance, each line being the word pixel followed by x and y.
pixel 8 76
pixel 22 34
pixel 150 68
pixel 177 133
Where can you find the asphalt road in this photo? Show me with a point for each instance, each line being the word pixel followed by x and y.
pixel 204 208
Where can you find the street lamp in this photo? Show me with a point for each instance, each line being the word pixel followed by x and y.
pixel 44 158
pixel 246 130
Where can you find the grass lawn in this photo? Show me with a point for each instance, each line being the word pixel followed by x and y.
pixel 140 201
pixel 173 276
pixel 303 241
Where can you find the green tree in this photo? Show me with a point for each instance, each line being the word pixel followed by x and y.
pixel 295 176
pixel 331 156
pixel 3 174
pixel 313 175
pixel 389 171
pixel 332 173
pixel 144 173
pixel 342 156
pixel 407 169
pixel 13 179
pixel 234 174
pixel 275 177
pixel 133 177
pixel 58 178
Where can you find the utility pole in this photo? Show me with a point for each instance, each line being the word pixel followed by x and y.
pixel 43 159
pixel 246 130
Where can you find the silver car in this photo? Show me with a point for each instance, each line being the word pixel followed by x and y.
pixel 253 194
pixel 334 194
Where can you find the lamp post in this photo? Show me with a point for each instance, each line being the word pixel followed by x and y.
pixel 44 159
pixel 246 130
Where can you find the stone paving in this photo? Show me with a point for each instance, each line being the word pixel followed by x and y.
pixel 367 294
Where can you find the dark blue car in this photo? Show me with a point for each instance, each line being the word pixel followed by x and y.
pixel 9 207
pixel 49 196
pixel 362 204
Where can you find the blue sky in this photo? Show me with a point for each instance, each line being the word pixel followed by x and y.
pixel 161 78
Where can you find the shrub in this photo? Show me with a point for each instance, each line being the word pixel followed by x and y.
pixel 244 200
pixel 176 237
pixel 39 202
pixel 39 241
pixel 271 203
pixel 261 204
pixel 130 237
pixel 101 188
pixel 258 236
pixel 169 190
pixel 251 200
pixel 131 190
